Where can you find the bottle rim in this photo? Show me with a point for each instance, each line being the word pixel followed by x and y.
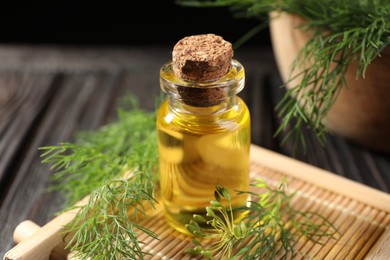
pixel 206 93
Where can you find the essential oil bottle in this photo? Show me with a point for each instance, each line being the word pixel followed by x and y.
pixel 203 128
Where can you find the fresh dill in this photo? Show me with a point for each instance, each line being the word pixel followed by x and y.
pixel 107 226
pixel 267 231
pixel 342 32
pixel 117 166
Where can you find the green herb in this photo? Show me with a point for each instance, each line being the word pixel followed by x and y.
pixel 96 164
pixel 116 165
pixel 343 31
pixel 107 226
pixel 266 232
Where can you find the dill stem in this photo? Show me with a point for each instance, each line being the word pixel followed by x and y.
pixel 104 219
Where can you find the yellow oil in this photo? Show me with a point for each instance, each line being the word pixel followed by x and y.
pixel 198 151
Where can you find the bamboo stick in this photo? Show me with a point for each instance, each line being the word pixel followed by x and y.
pixel 42 242
pixel 381 247
pixel 27 228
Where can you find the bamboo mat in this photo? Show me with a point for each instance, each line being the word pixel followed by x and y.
pixel 360 213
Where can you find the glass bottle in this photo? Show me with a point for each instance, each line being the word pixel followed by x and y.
pixel 203 141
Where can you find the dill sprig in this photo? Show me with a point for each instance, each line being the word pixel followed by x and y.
pixel 342 32
pixel 267 231
pixel 107 226
pixel 117 166
pixel 98 156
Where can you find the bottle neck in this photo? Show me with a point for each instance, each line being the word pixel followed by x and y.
pixel 210 97
pixel 181 107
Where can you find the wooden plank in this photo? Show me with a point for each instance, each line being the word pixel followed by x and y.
pixel 23 97
pixel 76 98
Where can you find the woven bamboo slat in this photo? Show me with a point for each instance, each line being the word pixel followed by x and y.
pixel 360 213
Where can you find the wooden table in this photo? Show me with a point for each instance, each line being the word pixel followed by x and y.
pixel 47 93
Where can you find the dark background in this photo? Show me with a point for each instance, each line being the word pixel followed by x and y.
pixel 117 23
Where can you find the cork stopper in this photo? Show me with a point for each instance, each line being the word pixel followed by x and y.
pixel 202 57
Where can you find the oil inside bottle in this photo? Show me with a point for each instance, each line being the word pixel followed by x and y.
pixel 198 150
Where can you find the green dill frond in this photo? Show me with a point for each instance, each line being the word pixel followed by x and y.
pixel 106 227
pixel 98 156
pixel 226 234
pixel 268 231
pixel 357 35
pixel 276 224
pixel 117 165
pixel 343 31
